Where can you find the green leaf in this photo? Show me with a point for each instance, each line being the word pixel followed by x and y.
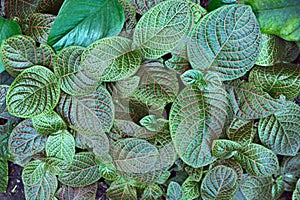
pixel 77 193
pixel 25 141
pixel 277 17
pixel 152 192
pixel 91 113
pixel 296 193
pixel 121 190
pixel 44 189
pixel 219 183
pixel 278 79
pixel 20 8
pixel 39 26
pixel 33 172
pixel 56 166
pixel 225 148
pixel 73 79
pixel 111 59
pixel 49 123
pixel 257 160
pixel 174 191
pixel 281 131
pixel 124 88
pixel 151 123
pixel 3 174
pixel 61 146
pixel 226 41
pixel 35 91
pixel 196 119
pixel 190 189
pixel 4 153
pixel 194 173
pixel 214 4
pixel 160 30
pixel 134 155
pixel 83 22
pixel 82 172
pixel 251 102
pixel 233 164
pixel 20 52
pixel 290 171
pixel 108 172
pixel 241 131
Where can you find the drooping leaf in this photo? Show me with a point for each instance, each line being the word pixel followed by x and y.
pixel 35 91
pixel 73 79
pixel 121 190
pixel 33 172
pixel 278 79
pixel 91 113
pixel 226 41
pixel 71 26
pixel 111 59
pixel 174 191
pixel 241 131
pixel 3 174
pixel 152 192
pixel 219 183
pixel 277 17
pixel 77 193
pixel 290 171
pixel 190 189
pixel 225 148
pixel 251 102
pixel 296 193
pixel 82 172
pixel 196 119
pixel 20 52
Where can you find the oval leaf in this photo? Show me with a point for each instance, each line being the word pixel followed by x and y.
pixel 174 191
pixel 75 193
pixel 241 131
pixel 33 172
pixel 225 148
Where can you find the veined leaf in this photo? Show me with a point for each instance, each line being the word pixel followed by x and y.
pixel 174 191
pixel 20 8
pixel 4 153
pixel 151 123
pixel 121 190
pixel 111 59
pixel 35 91
pixel 25 141
pixel 225 148
pixel 73 79
pixel 296 193
pixel 241 131
pixel 194 173
pixel 3 174
pixel 143 6
pixel 160 30
pixel 124 88
pixel 44 189
pixel 49 6
pixel 77 193
pixel 130 19
pixel 105 18
pixel 33 172
pixel 61 146
pixel 56 166
pixel 82 172
pixel 20 52
pixel 257 160
pixel 39 26
pixel 233 164
pixel 226 41
pixel 251 102
pixel 48 123
pixel 108 171
pixel 280 131
pixel 196 119
pixel 190 189
pixel 91 113
pixel 278 79
pixel 219 183
pixel 152 192
pixel 290 171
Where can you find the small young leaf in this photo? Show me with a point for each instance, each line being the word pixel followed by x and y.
pixel 290 171
pixel 33 172
pixel 193 76
pixel 3 174
pixel 194 173
pixel 225 148
pixel 121 190
pixel 190 189
pixel 108 172
pixel 152 192
pixel 241 131
pixel 174 191
pixel 77 193
pixel 151 123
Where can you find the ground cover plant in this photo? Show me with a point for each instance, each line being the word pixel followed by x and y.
pixel 172 99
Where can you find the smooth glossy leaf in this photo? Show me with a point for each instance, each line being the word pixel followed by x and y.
pixel 226 41
pixel 35 91
pixel 91 113
pixel 111 59
pixel 73 79
pixel 225 148
pixel 174 191
pixel 290 171
pixel 83 22
pixel 3 174
pixel 190 189
pixel 241 131
pixel 296 193
pixel 20 52
pixel 196 119
pixel 77 193
pixel 121 190
pixel 278 79
pixel 219 183
pixel 82 172
pixel 152 192
pixel 33 172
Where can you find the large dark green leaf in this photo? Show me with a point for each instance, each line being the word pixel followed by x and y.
pixel 81 22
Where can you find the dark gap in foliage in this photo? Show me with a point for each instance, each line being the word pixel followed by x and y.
pixel 138 16
pixel 167 109
pixel 167 56
pixel 204 3
pixel 3 121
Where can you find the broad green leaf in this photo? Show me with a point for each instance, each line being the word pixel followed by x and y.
pixel 241 131
pixel 3 174
pixel 251 102
pixel 196 119
pixel 73 79
pixel 25 141
pixel 82 172
pixel 160 30
pixel 83 22
pixel 61 146
pixel 225 148
pixel 124 88
pixel 281 131
pixel 190 189
pixel 20 52
pixel 278 79
pixel 290 171
pixel 277 17
pixel 134 155
pixel 152 192
pixel 296 193
pixel 44 189
pixel 56 166
pixel 174 191
pixel 121 190
pixel 39 26
pixel 35 91
pixel 257 160
pixel 33 172
pixel 111 59
pixel 49 123
pixel 219 183
pixel 108 172
pixel 91 113
pixel 226 41
pixel 77 193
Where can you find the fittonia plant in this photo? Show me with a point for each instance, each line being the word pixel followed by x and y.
pixel 180 103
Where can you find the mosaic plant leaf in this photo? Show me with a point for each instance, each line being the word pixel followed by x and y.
pixel 82 193
pixel 241 131
pixel 290 172
pixel 174 191
pixel 121 190
pixel 190 189
pixel 33 172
